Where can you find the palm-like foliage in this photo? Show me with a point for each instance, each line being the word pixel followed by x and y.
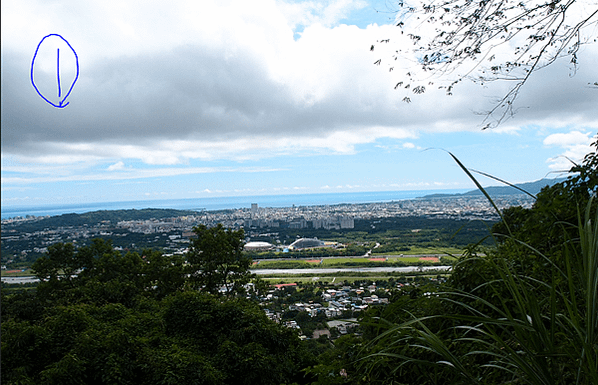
pixel 515 328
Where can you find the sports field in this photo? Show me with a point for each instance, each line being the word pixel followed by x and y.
pixel 368 261
pixel 17 273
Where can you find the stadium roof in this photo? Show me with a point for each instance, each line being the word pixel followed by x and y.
pixel 258 245
pixel 306 243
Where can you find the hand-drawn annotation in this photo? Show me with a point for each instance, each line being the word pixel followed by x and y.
pixel 69 59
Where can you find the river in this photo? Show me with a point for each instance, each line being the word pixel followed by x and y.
pixel 406 269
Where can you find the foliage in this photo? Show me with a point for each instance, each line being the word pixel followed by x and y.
pixel 216 260
pixel 337 365
pixel 97 273
pixel 188 338
pixel 485 41
pixel 99 316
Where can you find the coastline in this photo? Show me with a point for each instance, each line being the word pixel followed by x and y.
pixel 224 203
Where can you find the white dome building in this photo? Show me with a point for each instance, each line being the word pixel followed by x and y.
pixel 258 246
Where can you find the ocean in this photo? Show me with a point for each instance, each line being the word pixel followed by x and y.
pixel 223 203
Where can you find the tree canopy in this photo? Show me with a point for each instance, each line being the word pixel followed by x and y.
pixel 484 41
pixel 102 317
pixel 216 260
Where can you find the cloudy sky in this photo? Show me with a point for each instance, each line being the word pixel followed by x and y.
pixel 185 99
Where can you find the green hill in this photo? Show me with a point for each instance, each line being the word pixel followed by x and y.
pixel 531 187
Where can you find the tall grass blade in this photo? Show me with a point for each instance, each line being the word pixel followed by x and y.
pixel 505 182
pixel 479 186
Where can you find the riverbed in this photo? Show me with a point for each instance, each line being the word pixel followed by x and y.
pixel 404 269
pixel 365 270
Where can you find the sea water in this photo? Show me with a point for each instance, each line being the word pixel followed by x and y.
pixel 224 203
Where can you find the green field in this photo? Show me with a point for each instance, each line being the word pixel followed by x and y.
pixel 417 250
pixel 391 258
pixel 10 273
pixel 348 262
pixel 335 279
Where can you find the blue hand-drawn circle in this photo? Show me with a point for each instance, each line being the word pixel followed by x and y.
pixel 61 103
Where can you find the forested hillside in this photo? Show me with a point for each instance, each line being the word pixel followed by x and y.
pixel 93 217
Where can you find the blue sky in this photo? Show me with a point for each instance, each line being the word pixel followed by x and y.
pixel 189 99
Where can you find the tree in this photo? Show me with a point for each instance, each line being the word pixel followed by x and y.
pixel 131 319
pixel 61 262
pixel 59 271
pixel 216 260
pixel 164 275
pixel 98 273
pixel 485 41
pixel 241 342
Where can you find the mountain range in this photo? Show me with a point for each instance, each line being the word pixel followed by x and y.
pixel 531 187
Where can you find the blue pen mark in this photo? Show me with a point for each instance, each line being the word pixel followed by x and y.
pixel 58 69
pixel 61 102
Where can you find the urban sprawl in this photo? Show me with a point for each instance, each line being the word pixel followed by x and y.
pixel 316 305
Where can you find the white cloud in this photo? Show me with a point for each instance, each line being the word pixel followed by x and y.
pixel 172 82
pixel 116 166
pixel 179 152
pixel 568 139
pixel 125 174
pixel 575 144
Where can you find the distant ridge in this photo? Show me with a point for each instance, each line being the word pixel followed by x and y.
pixel 114 216
pixel 531 187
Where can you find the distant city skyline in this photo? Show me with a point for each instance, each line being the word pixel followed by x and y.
pixel 221 203
pixel 187 99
